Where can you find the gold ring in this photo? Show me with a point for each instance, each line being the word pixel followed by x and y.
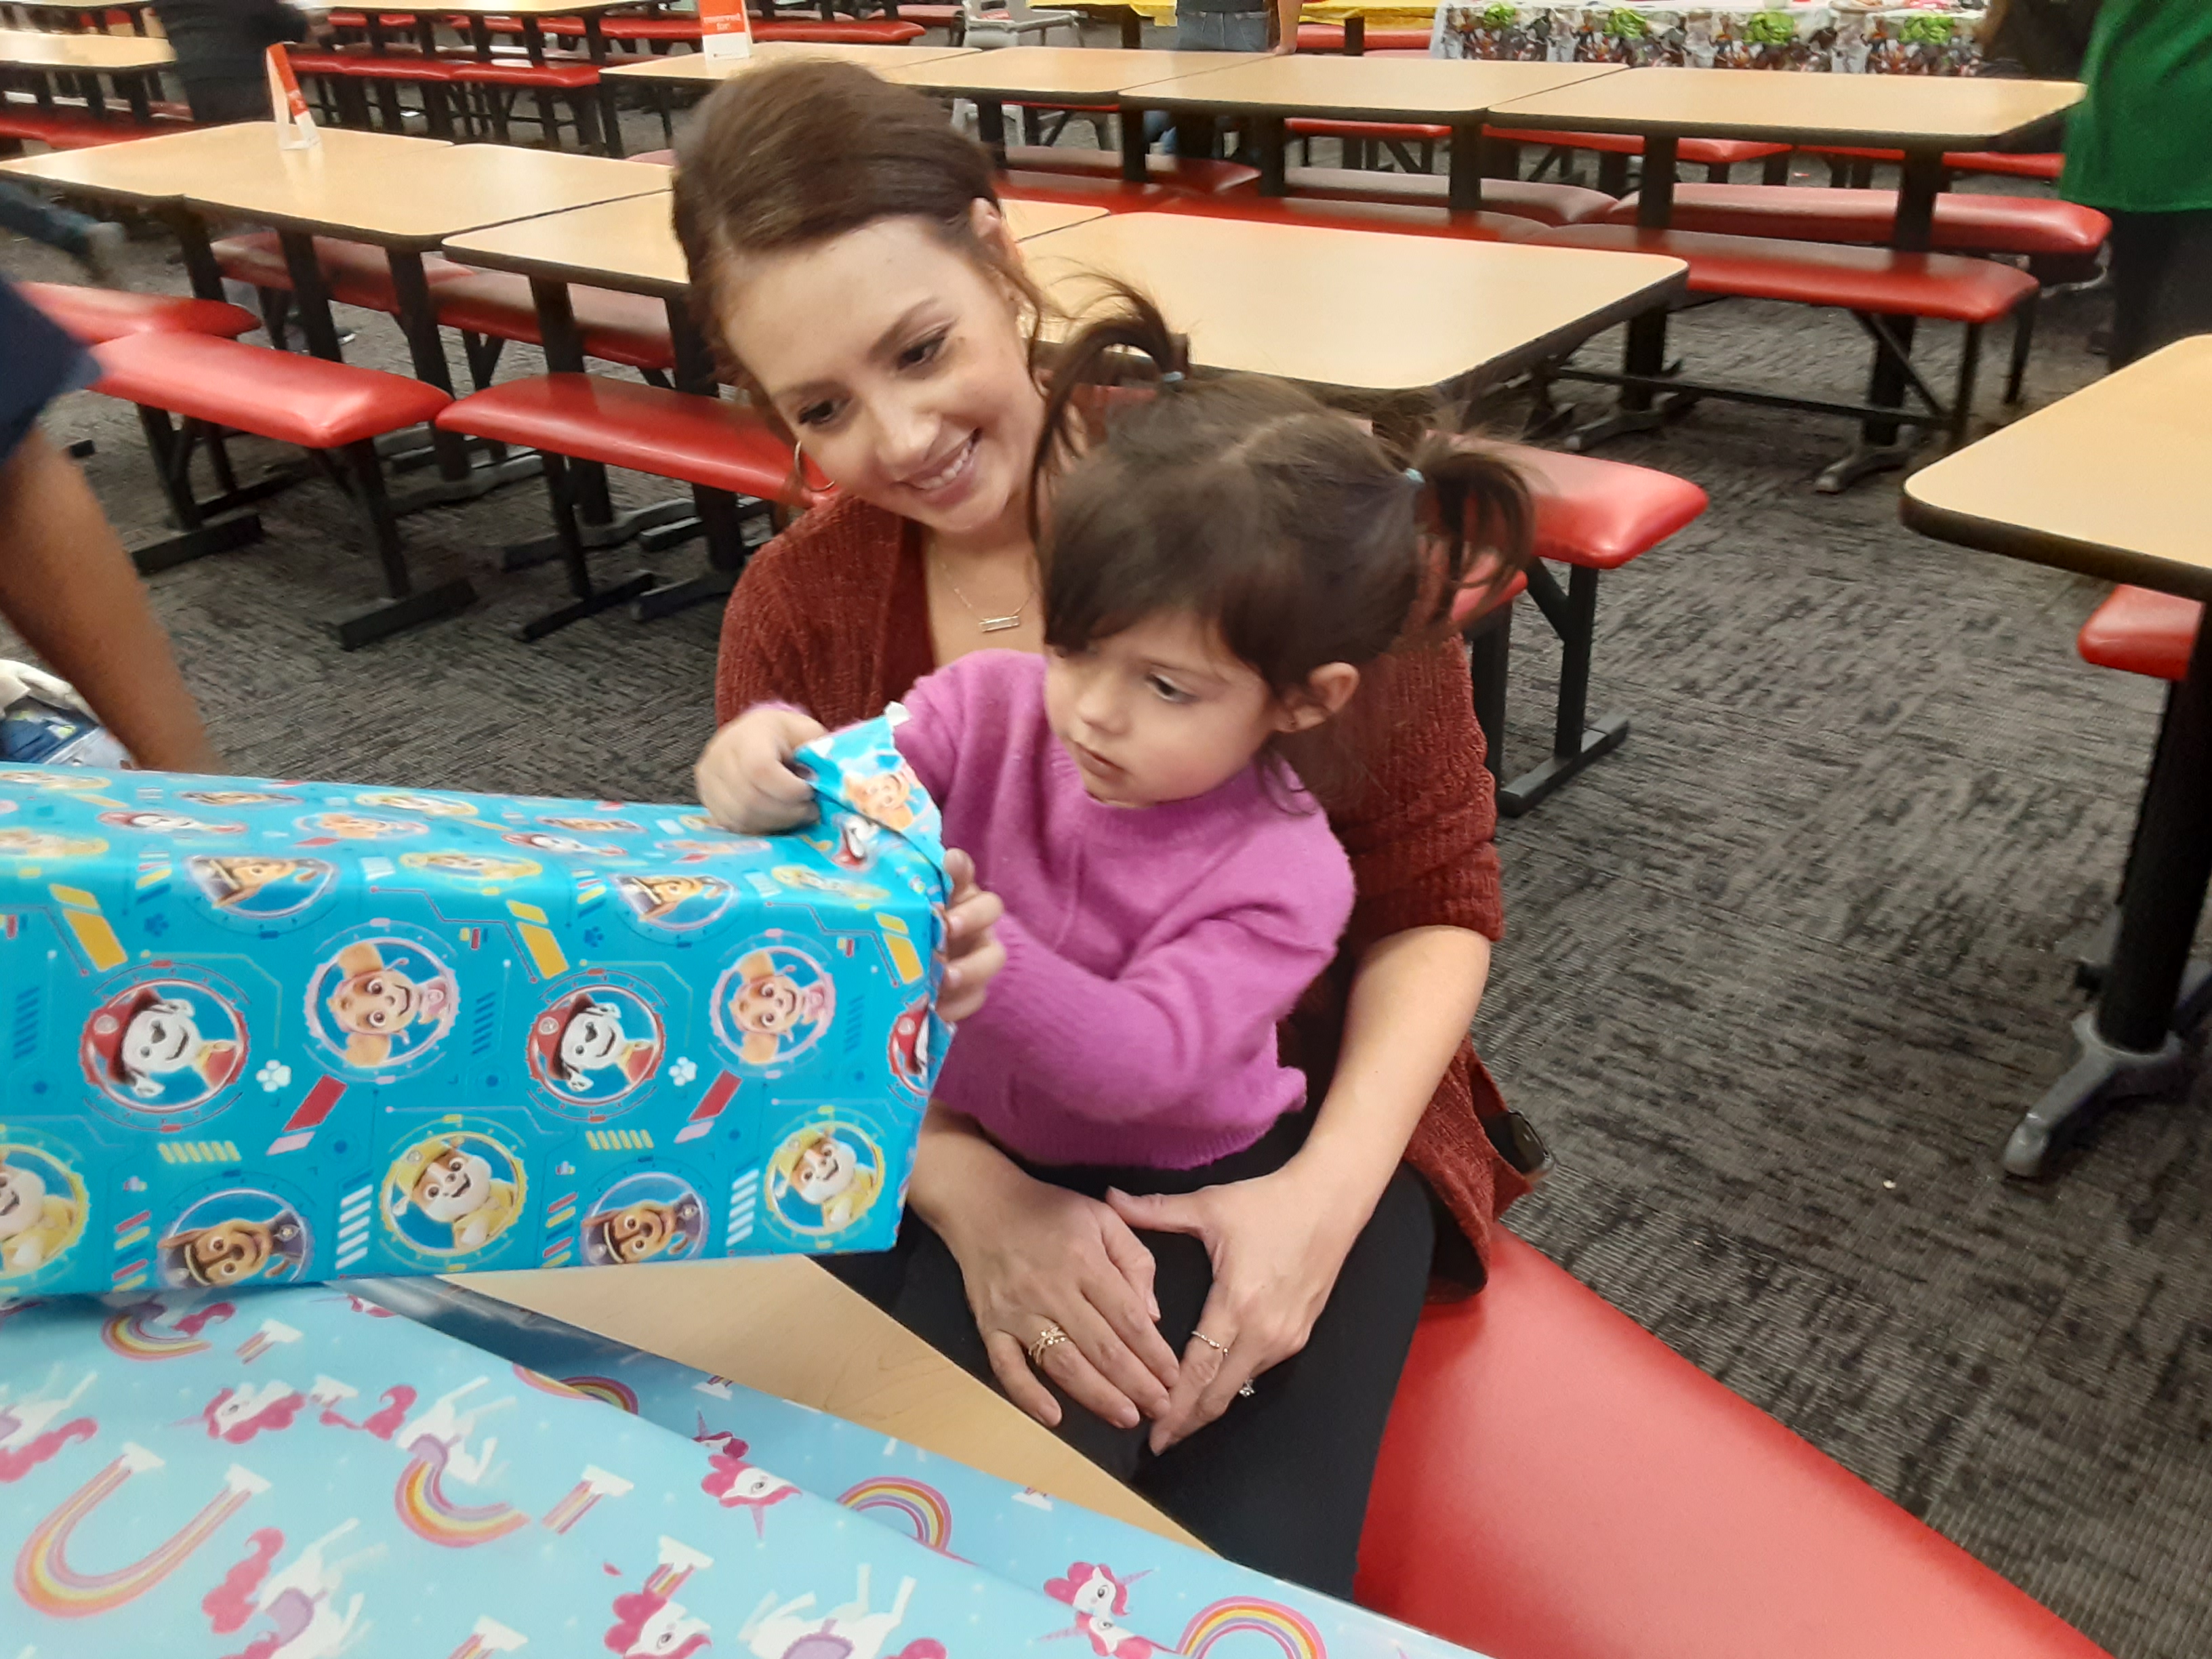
pixel 1050 1337
pixel 1217 1348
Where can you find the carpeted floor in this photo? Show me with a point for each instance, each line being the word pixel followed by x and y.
pixel 1780 973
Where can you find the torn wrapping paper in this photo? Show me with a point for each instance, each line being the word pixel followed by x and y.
pixel 1130 1593
pixel 269 1032
pixel 299 1473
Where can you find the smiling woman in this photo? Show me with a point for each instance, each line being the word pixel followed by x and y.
pixel 850 262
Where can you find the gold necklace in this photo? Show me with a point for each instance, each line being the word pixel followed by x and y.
pixel 986 624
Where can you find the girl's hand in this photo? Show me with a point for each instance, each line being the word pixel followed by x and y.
pixel 746 780
pixel 973 955
pixel 1277 1244
pixel 1034 1255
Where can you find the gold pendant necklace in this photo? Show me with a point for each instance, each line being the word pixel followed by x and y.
pixel 986 624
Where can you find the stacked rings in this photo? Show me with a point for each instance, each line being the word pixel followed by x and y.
pixel 1047 1339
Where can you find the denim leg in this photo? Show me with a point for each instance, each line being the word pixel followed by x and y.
pixel 44 221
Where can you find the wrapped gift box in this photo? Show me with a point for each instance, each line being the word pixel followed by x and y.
pixel 267 1032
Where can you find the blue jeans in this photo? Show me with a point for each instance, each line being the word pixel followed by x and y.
pixel 43 221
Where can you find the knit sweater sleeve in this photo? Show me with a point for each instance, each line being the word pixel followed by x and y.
pixel 1419 827
pixel 765 636
pixel 1187 1012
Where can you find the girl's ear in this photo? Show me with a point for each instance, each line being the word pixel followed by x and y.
pixel 1326 690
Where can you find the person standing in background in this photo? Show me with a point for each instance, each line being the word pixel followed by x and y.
pixel 2139 148
pixel 219 45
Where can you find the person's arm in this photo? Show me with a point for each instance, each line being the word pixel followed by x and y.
pixel 69 588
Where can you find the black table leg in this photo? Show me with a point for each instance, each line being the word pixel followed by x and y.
pixel 1467 158
pixel 418 321
pixel 1136 148
pixel 533 39
pixel 991 128
pixel 1133 29
pixel 2126 1048
pixel 1265 134
pixel 206 276
pixel 714 510
pixel 311 295
pixel 595 38
pixel 134 91
pixel 1646 351
pixel 1879 449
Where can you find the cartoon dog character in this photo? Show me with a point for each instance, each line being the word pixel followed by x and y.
pixel 642 1230
pixel 371 1003
pixel 886 797
pixel 231 1252
pixel 826 1170
pixel 768 1005
pixel 138 1037
pixel 233 881
pixel 454 1186
pixel 436 806
pixel 655 898
pixel 39 844
pixel 472 866
pixel 169 823
pixel 580 1036
pixel 561 845
pixel 801 878
pixel 35 1225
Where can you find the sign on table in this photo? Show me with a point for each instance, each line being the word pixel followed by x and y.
pixel 1848 36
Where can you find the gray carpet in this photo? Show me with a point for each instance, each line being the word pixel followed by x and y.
pixel 1780 973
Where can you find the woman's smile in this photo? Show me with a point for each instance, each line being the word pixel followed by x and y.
pixel 947 478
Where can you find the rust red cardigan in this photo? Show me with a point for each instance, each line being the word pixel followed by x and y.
pixel 833 617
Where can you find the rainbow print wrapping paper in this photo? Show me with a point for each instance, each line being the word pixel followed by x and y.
pixel 300 1473
pixel 259 1033
pixel 1128 1593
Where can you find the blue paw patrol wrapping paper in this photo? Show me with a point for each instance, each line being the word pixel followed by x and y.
pixel 1127 1593
pixel 300 1473
pixel 273 1032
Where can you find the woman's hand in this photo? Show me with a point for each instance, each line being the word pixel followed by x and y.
pixel 1035 1256
pixel 973 955
pixel 746 780
pixel 1277 1244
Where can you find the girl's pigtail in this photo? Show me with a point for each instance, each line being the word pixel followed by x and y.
pixel 1479 503
pixel 1083 370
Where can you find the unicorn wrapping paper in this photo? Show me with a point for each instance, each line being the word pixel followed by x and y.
pixel 270 1032
pixel 1129 1594
pixel 299 1473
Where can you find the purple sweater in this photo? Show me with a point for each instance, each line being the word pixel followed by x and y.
pixel 1149 953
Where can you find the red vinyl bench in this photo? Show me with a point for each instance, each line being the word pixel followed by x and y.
pixel 1869 282
pixel 1406 218
pixel 336 411
pixel 1718 156
pixel 2045 165
pixel 1194 173
pixel 1357 135
pixel 629 329
pixel 1592 516
pixel 1966 222
pixel 71 130
pixel 721 448
pixel 879 32
pixel 1549 205
pixel 356 273
pixel 1556 1483
pixel 1333 37
pixel 96 315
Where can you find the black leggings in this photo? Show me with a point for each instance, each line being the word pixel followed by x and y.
pixel 1279 1481
pixel 2161 281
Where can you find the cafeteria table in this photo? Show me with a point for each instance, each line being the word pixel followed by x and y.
pixel 88 16
pixel 1435 311
pixel 630 246
pixel 697 68
pixel 130 60
pixel 2109 482
pixel 1454 93
pixel 734 1320
pixel 1923 116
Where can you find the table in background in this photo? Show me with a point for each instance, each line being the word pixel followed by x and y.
pixel 131 61
pixel 1265 90
pixel 86 15
pixel 1133 15
pixel 1923 116
pixel 697 68
pixel 2109 482
pixel 1893 38
pixel 734 1320
pixel 1062 75
pixel 1434 310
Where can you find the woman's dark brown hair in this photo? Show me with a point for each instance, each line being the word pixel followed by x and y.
pixel 792 154
pixel 1248 503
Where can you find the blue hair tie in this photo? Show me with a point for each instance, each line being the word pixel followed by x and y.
pixel 1413 477
pixel 1171 377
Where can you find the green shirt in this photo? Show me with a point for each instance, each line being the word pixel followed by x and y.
pixel 2141 142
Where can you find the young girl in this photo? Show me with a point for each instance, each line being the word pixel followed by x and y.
pixel 1226 561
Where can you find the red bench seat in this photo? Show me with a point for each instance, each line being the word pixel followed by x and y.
pixel 95 315
pixel 1556 1484
pixel 557 77
pixel 1549 205
pixel 616 327
pixel 1329 36
pixel 356 273
pixel 1406 218
pixel 1965 222
pixel 1388 132
pixel 1934 285
pixel 2045 165
pixel 374 66
pixel 879 32
pixel 1194 173
pixel 71 130
pixel 1696 152
pixel 2139 630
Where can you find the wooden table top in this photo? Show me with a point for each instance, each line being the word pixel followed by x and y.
pixel 693 67
pixel 1042 72
pixel 631 244
pixel 1271 298
pixel 417 198
pixel 2109 481
pixel 1377 89
pixel 105 53
pixel 161 169
pixel 1882 111
pixel 734 1320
